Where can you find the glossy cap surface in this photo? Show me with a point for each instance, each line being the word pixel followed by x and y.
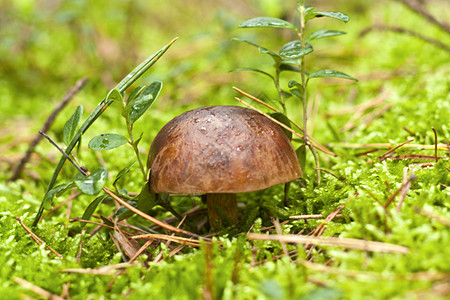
pixel 220 149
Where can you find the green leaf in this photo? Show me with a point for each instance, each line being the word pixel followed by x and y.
pixel 294 50
pixel 330 73
pixel 107 141
pixel 253 70
pixel 92 184
pixel 286 94
pixel 331 14
pixel 126 82
pixel 308 9
pixel 136 92
pixel 263 50
pixel 301 156
pixel 124 171
pixel 294 83
pixel 284 120
pixel 296 89
pixel 266 22
pixel 71 125
pixel 56 191
pixel 91 209
pixel 138 140
pixel 287 67
pixel 319 34
pixel 143 101
pixel 294 62
pixel 114 95
pixel 146 199
pixel 124 213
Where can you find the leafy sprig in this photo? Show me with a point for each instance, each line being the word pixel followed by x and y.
pixel 74 136
pixel 291 57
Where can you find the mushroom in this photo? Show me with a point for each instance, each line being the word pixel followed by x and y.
pixel 220 151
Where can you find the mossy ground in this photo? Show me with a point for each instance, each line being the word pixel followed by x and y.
pixel 49 48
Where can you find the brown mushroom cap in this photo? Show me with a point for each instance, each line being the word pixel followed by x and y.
pixel 220 149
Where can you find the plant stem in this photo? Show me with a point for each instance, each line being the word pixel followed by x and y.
pixel 304 92
pixel 101 107
pixel 135 148
pixel 277 86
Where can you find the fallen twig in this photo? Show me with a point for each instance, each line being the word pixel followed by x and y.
pixel 433 216
pixel 406 184
pixel 318 216
pixel 36 289
pixel 419 276
pixel 165 237
pixel 152 219
pixel 400 189
pixel 406 31
pixel 160 256
pixel 104 270
pixel 443 147
pixel 70 198
pixel 314 142
pixel 318 231
pixel 384 155
pixel 418 8
pixel 36 238
pixel 348 243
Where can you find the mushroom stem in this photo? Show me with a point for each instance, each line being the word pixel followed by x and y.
pixel 219 206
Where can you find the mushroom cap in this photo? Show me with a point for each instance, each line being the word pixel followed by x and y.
pixel 220 149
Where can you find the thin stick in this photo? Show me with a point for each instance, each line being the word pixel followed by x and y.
pixel 348 243
pixel 392 197
pixel 371 276
pixel 64 153
pixel 139 252
pixel 70 198
pixel 313 141
pixel 104 270
pixel 435 144
pixel 405 31
pixel 269 117
pixel 387 146
pixel 37 239
pixel 70 94
pixel 36 289
pixel 327 171
pixel 256 99
pixel 90 222
pixel 152 219
pixel 171 238
pixel 383 156
pixel 318 231
pixel 416 7
pixel 160 256
pixel 406 186
pixel 433 216
pixel 277 225
pixel 318 216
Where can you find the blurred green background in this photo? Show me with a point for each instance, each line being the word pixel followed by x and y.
pixel 46 46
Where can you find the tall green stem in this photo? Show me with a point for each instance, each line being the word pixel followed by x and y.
pixel 102 106
pixel 135 148
pixel 304 92
pixel 277 86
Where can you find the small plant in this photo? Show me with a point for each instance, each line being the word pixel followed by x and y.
pixel 292 57
pixel 137 103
